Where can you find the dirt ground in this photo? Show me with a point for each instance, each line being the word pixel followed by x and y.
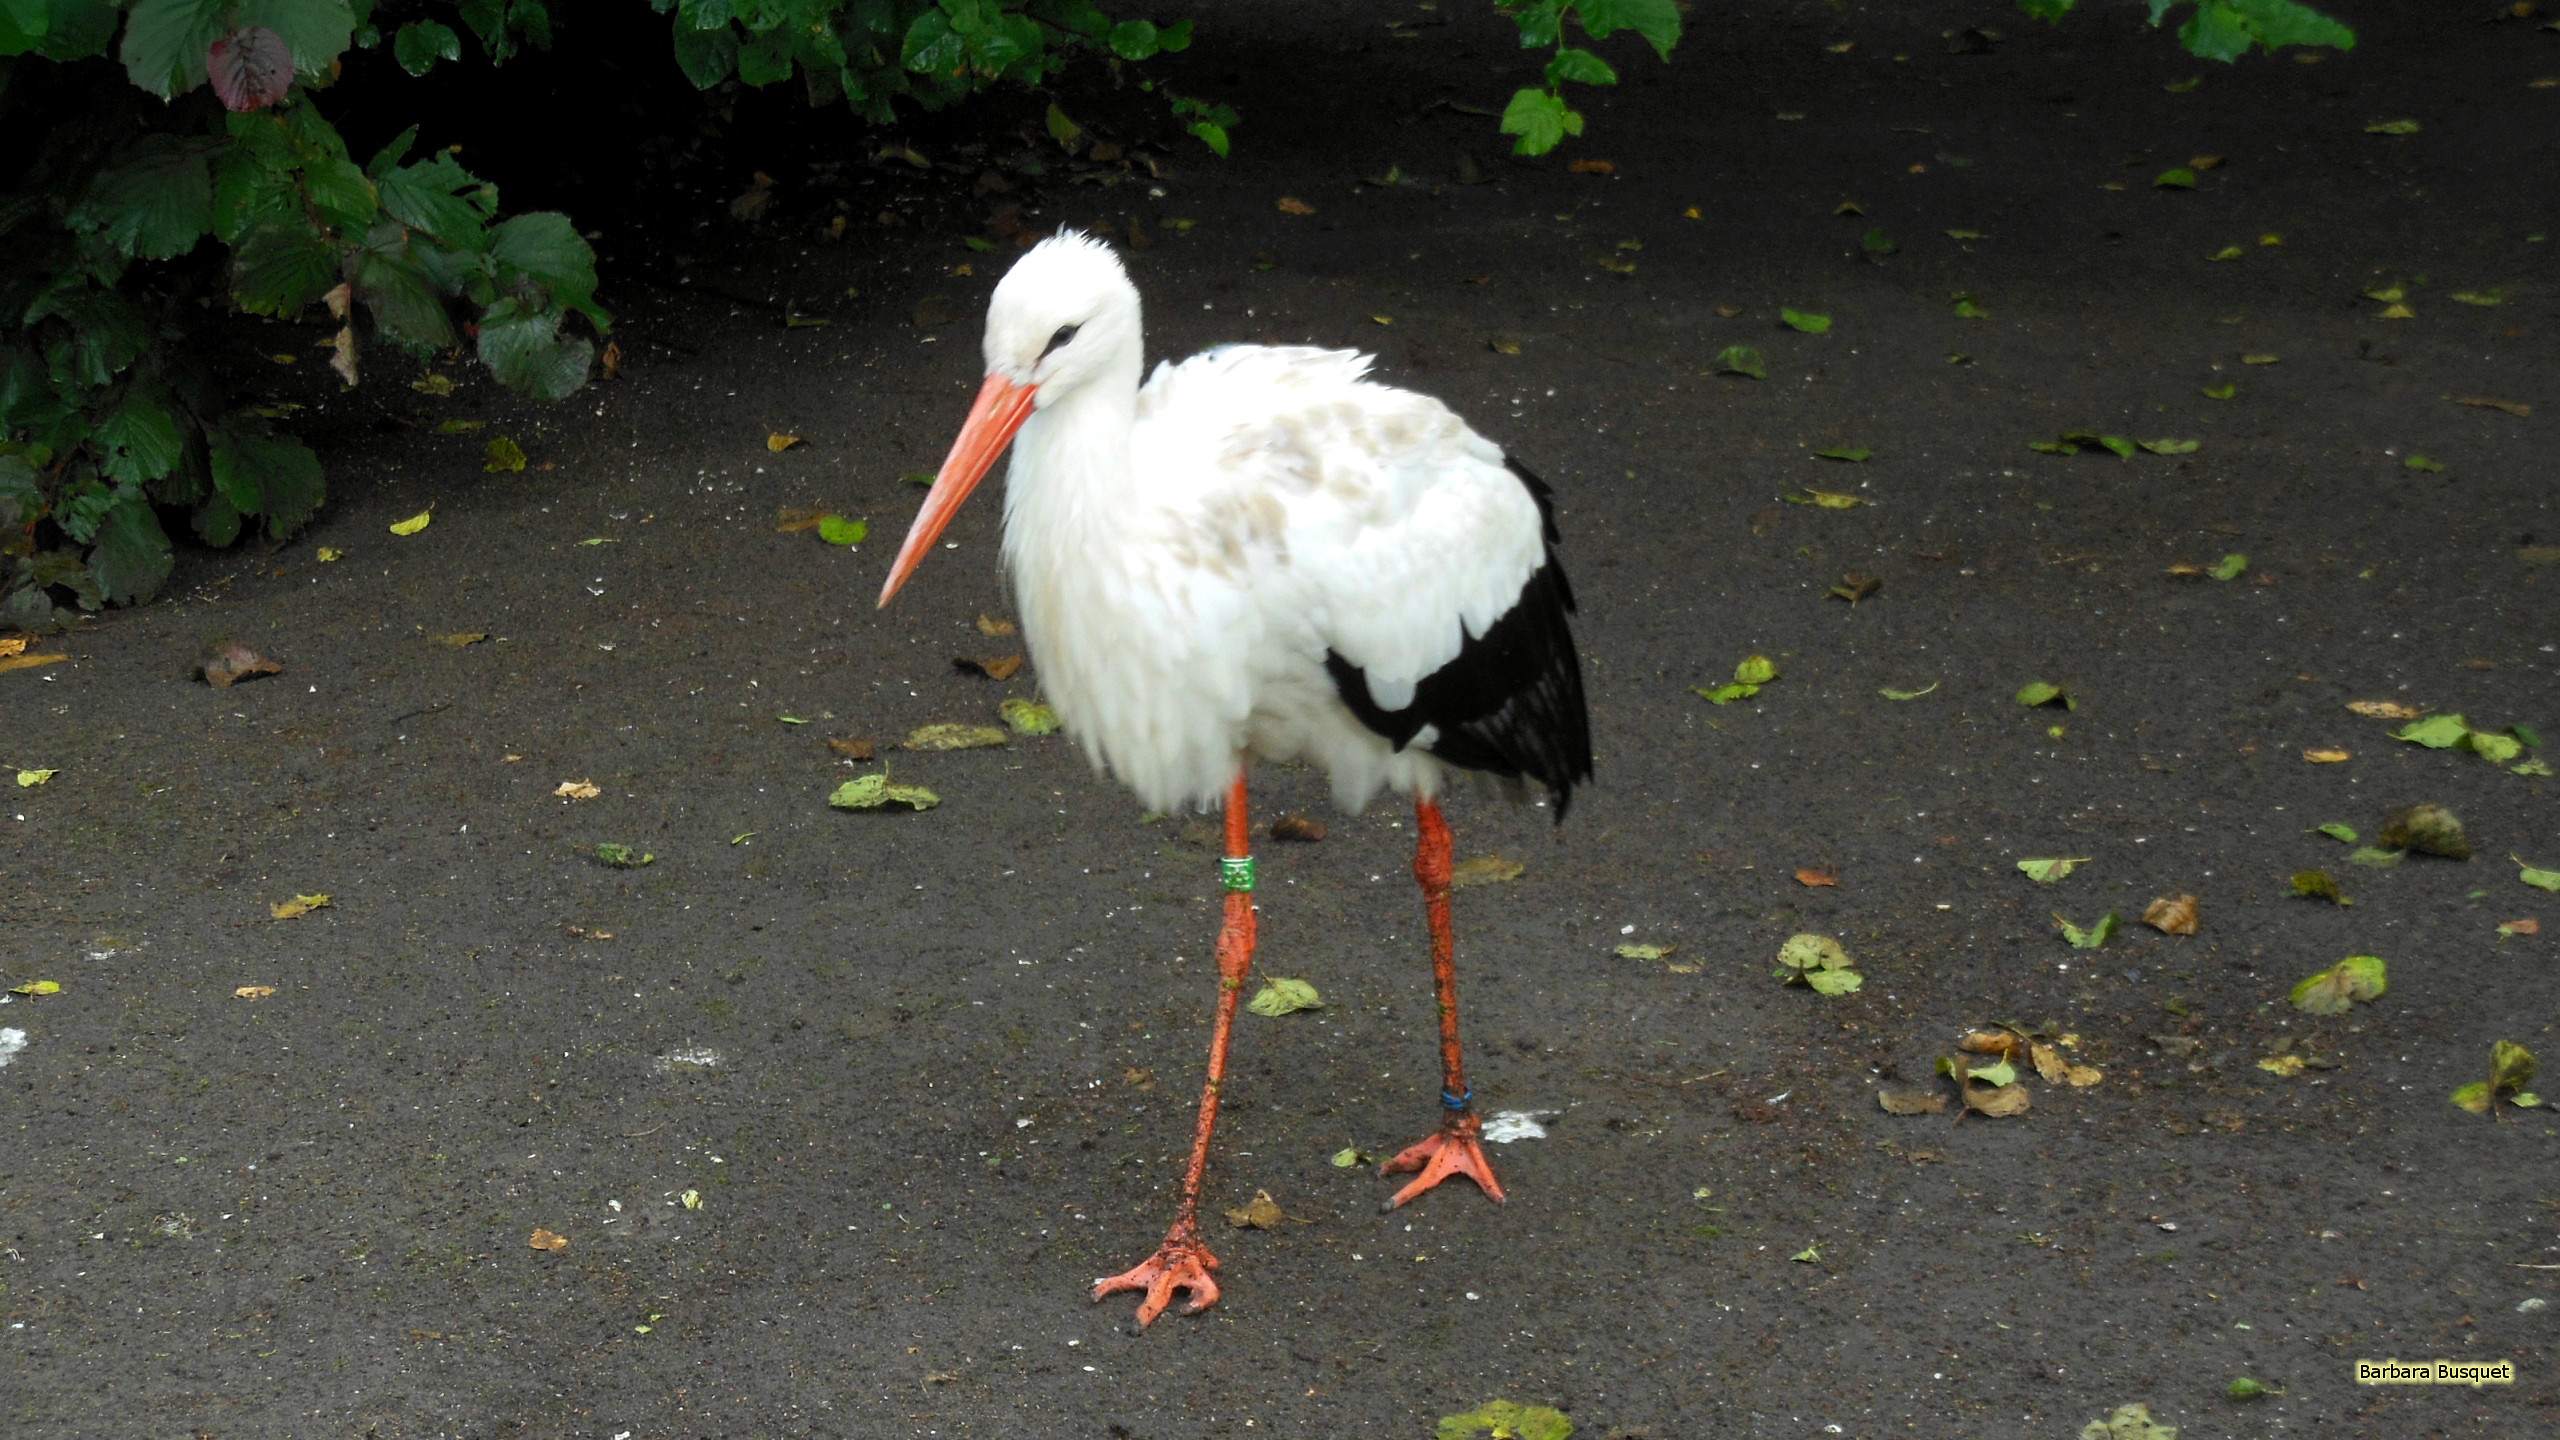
pixel 839 1113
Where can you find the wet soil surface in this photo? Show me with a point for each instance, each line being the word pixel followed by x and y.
pixel 839 1113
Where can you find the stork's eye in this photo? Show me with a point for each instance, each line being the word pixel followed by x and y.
pixel 1066 335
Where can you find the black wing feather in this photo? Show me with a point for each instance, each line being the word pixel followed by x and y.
pixel 1511 703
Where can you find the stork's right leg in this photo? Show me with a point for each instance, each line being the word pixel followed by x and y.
pixel 1183 1262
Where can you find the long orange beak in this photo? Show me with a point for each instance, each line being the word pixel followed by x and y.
pixel 1001 408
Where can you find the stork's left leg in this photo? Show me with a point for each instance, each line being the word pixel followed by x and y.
pixel 1453 1149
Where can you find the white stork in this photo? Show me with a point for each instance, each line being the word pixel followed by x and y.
pixel 1261 553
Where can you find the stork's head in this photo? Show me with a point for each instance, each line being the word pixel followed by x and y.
pixel 1064 317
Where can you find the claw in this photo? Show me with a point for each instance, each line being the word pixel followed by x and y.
pixel 1452 1150
pixel 1181 1263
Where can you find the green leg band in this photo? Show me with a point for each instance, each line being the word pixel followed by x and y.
pixel 1236 872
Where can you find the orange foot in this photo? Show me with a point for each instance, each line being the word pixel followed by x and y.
pixel 1182 1262
pixel 1452 1150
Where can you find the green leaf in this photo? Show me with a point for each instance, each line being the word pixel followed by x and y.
pixel 1540 119
pixel 708 57
pixel 2496 749
pixel 1967 308
pixel 526 351
pixel 166 41
pixel 429 195
pixel 1506 1420
pixel 544 246
pixel 2319 885
pixel 421 43
pixel 2088 939
pixel 268 476
pixel 1807 956
pixel 1632 951
pixel 2473 1097
pixel 2374 857
pixel 2229 567
pixel 1890 693
pixel 1876 242
pixel 1806 321
pixel 1280 997
pixel 1726 694
pixel 1741 360
pixel 316 31
pixel 2040 692
pixel 2223 391
pixel 2427 829
pixel 2334 991
pixel 2421 462
pixel 505 456
pixel 2436 732
pixel 1658 21
pixel 2048 870
pixel 281 268
pixel 1756 670
pixel 402 302
pixel 2340 831
pixel 872 792
pixel 2511 1068
pixel 837 530
pixel 1580 66
pixel 341 193
pixel 1350 1157
pixel 131 556
pixel 2392 127
pixel 138 441
pixel 154 202
pixel 765 59
pixel 1028 717
pixel 2537 878
pixel 2180 178
pixel 1834 982
pixel 2170 447
pixel 953 737
pixel 2244 1388
pixel 1134 40
pixel 622 857
pixel 1850 453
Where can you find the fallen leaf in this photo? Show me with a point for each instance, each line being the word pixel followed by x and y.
pixel 1029 717
pixel 2339 988
pixel 2003 1043
pixel 2374 857
pixel 953 737
pixel 1505 1420
pixel 2537 878
pixel 837 530
pixel 872 792
pixel 1854 454
pixel 30 779
pixel 459 638
pixel 852 747
pixel 2171 915
pixel 2128 1422
pixel 1855 585
pixel 1503 345
pixel 610 362
pixel 2057 1070
pixel 2436 732
pixel 1915 1101
pixel 577 790
pixel 547 1240
pixel 2427 829
pixel 1351 1157
pixel 2392 127
pixel 34 988
pixel 623 857
pixel 2511 1068
pixel 2170 447
pixel 2092 937
pixel 1485 870
pixel 2520 927
pixel 1292 205
pixel 1280 996
pixel 2039 692
pixel 1813 877
pixel 778 441
pixel 2048 870
pixel 505 456
pixel 1820 963
pixel 2384 709
pixel 991 628
pixel 298 906
pixel 2326 757
pixel 2319 885
pixel 1643 952
pixel 2517 408
pixel 432 384
pixel 1825 499
pixel 2261 359
pixel 2178 178
pixel 1804 320
pixel 232 663
pixel 1592 167
pixel 1741 360
pixel 1000 668
pixel 1297 828
pixel 1260 1213
pixel 414 523
pixel 2340 831
pixel 253 992
pixel 2285 1065
pixel 1890 693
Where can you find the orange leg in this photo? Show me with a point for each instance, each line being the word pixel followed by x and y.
pixel 1454 1148
pixel 1183 1262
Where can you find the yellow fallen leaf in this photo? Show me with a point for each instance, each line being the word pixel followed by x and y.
pixel 298 906
pixel 29 662
pixel 2171 915
pixel 330 555
pixel 2325 757
pixel 778 441
pixel 2058 1071
pixel 1485 870
pixel 2383 709
pixel 577 790
pixel 2287 1065
pixel 542 1239
pixel 254 992
pixel 30 779
pixel 2396 311
pixel 37 987
pixel 414 523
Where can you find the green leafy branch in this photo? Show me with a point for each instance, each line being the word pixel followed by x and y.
pixel 1537 115
pixel 2225 29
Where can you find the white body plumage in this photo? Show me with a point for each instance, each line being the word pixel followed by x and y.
pixel 1186 554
